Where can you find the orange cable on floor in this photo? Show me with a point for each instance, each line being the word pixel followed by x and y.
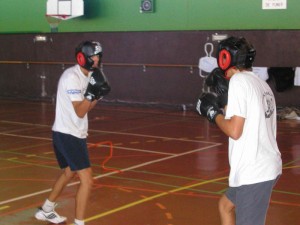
pixel 108 157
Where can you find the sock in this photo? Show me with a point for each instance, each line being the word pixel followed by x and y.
pixel 78 222
pixel 48 206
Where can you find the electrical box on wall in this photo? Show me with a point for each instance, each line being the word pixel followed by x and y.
pixel 147 6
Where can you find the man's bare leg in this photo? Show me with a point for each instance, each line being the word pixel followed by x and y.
pixel 227 211
pixel 83 193
pixel 60 184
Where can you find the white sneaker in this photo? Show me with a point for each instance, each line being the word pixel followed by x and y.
pixel 52 216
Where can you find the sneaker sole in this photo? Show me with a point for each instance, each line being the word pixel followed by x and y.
pixel 41 217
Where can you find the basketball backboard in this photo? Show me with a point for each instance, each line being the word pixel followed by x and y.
pixel 67 8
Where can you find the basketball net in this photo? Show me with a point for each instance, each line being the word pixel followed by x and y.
pixel 54 21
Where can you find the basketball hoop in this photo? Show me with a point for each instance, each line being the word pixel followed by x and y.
pixel 58 10
pixel 54 21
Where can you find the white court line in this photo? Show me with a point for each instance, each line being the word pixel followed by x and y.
pixel 142 150
pixel 20 129
pixel 25 136
pixel 22 123
pixel 110 173
pixel 115 147
pixel 109 132
pixel 112 132
pixel 152 136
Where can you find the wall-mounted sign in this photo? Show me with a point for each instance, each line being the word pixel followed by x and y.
pixel 274 4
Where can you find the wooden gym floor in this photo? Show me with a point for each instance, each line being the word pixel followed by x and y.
pixel 168 167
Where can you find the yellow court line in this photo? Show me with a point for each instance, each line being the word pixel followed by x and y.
pixel 169 216
pixel 14 158
pixel 150 198
pixel 4 207
pixel 290 167
pixel 48 153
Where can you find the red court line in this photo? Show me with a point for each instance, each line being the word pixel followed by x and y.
pixel 192 194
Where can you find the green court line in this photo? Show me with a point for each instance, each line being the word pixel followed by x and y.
pixel 21 148
pixel 165 185
pixel 286 192
pixel 33 164
pixel 145 181
pixel 291 162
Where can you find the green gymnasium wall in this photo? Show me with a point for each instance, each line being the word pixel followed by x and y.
pixel 27 16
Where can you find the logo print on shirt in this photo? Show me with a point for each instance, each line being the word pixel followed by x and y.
pixel 268 101
pixel 73 91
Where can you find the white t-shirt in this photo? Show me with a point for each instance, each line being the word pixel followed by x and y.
pixel 261 72
pixel 71 87
pixel 297 77
pixel 255 156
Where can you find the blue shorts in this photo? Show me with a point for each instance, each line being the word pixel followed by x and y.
pixel 251 202
pixel 70 151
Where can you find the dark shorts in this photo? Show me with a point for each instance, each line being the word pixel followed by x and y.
pixel 251 202
pixel 70 151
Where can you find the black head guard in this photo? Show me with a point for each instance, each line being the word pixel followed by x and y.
pixel 235 52
pixel 85 51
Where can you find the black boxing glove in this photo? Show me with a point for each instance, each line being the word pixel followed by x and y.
pixel 222 100
pixel 104 87
pixel 98 86
pixel 207 105
pixel 219 84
